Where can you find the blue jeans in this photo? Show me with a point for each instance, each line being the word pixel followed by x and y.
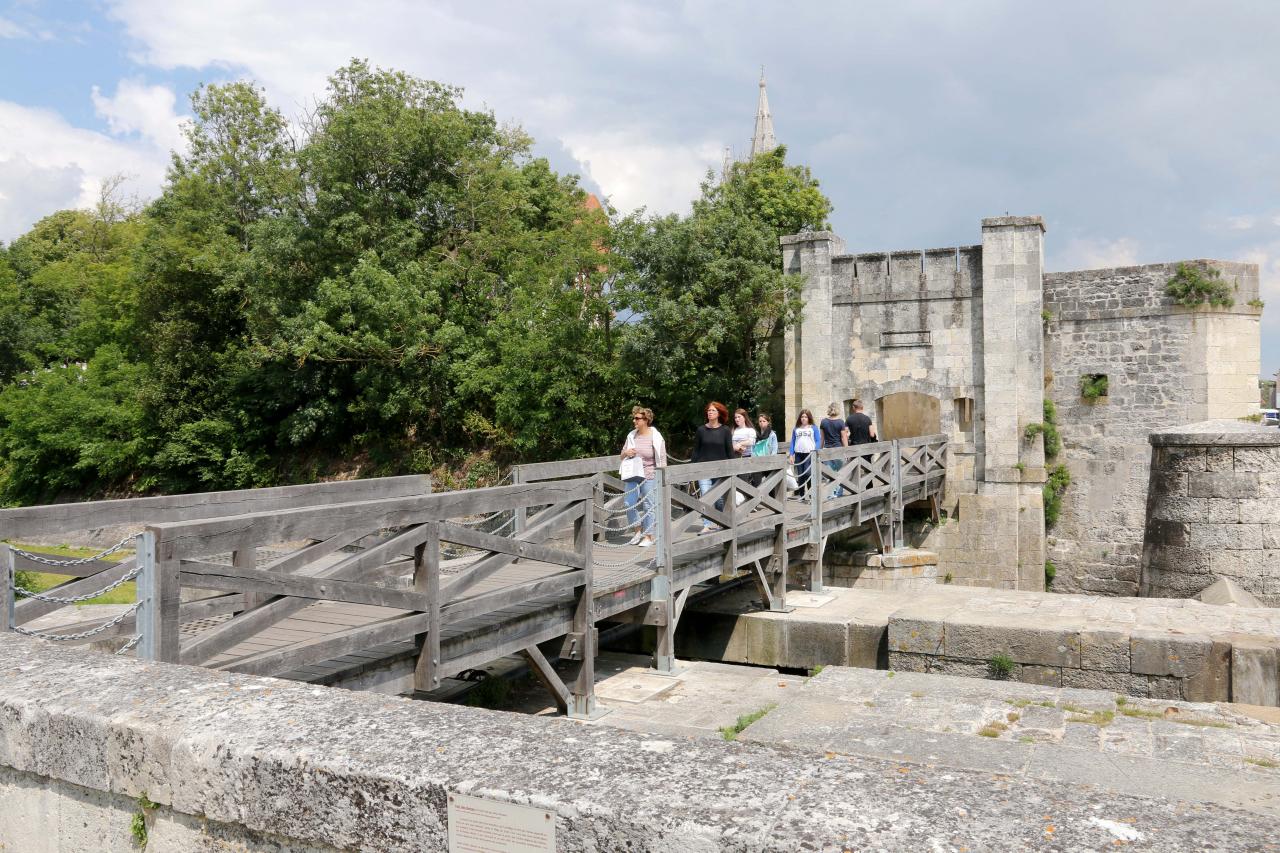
pixel 704 487
pixel 836 465
pixel 639 497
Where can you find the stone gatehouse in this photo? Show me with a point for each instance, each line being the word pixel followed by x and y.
pixel 970 341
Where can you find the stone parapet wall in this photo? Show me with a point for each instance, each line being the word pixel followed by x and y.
pixel 1213 510
pixel 257 764
pixel 903 569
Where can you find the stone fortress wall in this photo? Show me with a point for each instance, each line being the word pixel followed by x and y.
pixel 1166 365
pixel 969 342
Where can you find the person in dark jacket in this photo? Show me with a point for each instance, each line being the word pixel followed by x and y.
pixel 712 443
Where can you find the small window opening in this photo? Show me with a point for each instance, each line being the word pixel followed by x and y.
pixel 1093 386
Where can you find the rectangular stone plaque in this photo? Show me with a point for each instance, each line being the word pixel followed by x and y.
pixel 478 825
pixel 905 339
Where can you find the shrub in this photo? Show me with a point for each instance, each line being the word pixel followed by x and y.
pixel 1192 286
pixel 1050 572
pixel 1057 482
pixel 1001 667
pixel 1093 386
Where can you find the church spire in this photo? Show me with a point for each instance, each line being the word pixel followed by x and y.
pixel 763 140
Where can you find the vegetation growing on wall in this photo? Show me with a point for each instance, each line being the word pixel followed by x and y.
pixel 1094 386
pixel 1193 286
pixel 402 287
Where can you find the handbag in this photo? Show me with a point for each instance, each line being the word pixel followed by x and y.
pixel 792 483
pixel 632 468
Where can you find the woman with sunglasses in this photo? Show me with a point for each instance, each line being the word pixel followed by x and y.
pixel 643 452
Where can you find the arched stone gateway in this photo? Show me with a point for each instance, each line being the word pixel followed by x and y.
pixel 908 414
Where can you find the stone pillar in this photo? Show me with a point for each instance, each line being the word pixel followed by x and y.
pixel 809 360
pixel 1213 510
pixel 1012 394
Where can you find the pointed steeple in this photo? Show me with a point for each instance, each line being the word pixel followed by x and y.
pixel 763 140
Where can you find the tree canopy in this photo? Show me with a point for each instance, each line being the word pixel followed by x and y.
pixel 392 283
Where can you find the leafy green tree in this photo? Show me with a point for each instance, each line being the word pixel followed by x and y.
pixel 708 291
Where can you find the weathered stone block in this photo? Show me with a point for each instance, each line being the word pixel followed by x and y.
pixel 1232 537
pixel 1219 459
pixel 903 558
pixel 905 662
pixel 965 668
pixel 811 644
pixel 1223 484
pixel 1221 510
pixel 1239 564
pixel 1271 537
pixel 1213 682
pixel 916 636
pixel 1045 646
pixel 1257 459
pixel 1117 682
pixel 1164 687
pixel 1255 673
pixel 1048 676
pixel 1181 508
pixel 1258 511
pixel 1182 459
pixel 1104 650
pixel 1159 653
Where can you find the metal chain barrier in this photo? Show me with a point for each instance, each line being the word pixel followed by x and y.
pixel 133 641
pixel 78 561
pixel 82 635
pixel 74 599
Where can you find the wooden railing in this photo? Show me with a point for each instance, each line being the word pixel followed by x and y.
pixel 25 524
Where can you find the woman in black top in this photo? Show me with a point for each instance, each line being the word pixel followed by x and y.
pixel 713 443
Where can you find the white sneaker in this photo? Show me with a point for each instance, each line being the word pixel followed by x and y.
pixel 635 540
pixel 646 542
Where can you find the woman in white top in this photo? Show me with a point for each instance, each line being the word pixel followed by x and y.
pixel 804 440
pixel 744 434
pixel 643 452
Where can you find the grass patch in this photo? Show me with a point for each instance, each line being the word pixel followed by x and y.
pixel 1193 286
pixel 1262 762
pixel 993 729
pixel 1140 713
pixel 1013 716
pixel 138 825
pixel 1197 721
pixel 1001 667
pixel 817 669
pixel 1093 718
pixel 916 694
pixel 1018 703
pixel 126 593
pixel 43 581
pixel 732 732
pixel 1122 701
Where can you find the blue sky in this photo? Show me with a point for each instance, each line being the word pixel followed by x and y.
pixel 1142 131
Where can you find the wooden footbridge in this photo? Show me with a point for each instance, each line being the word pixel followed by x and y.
pixel 383 584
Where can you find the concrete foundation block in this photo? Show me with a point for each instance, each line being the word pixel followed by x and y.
pixel 1213 682
pixel 1255 673
pixel 1164 687
pixel 902 558
pixel 1125 683
pixel 810 644
pixel 966 668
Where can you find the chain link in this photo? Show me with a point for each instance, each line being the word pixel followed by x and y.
pixel 83 635
pixel 75 599
pixel 78 561
pixel 133 641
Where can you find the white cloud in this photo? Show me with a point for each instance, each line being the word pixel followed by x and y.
pixel 1267 257
pixel 145 110
pixel 47 164
pixel 1241 223
pixel 635 171
pixel 11 30
pixel 1088 254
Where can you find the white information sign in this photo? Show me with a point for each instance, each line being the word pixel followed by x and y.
pixel 477 825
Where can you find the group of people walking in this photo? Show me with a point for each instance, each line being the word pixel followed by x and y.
pixel 645 450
